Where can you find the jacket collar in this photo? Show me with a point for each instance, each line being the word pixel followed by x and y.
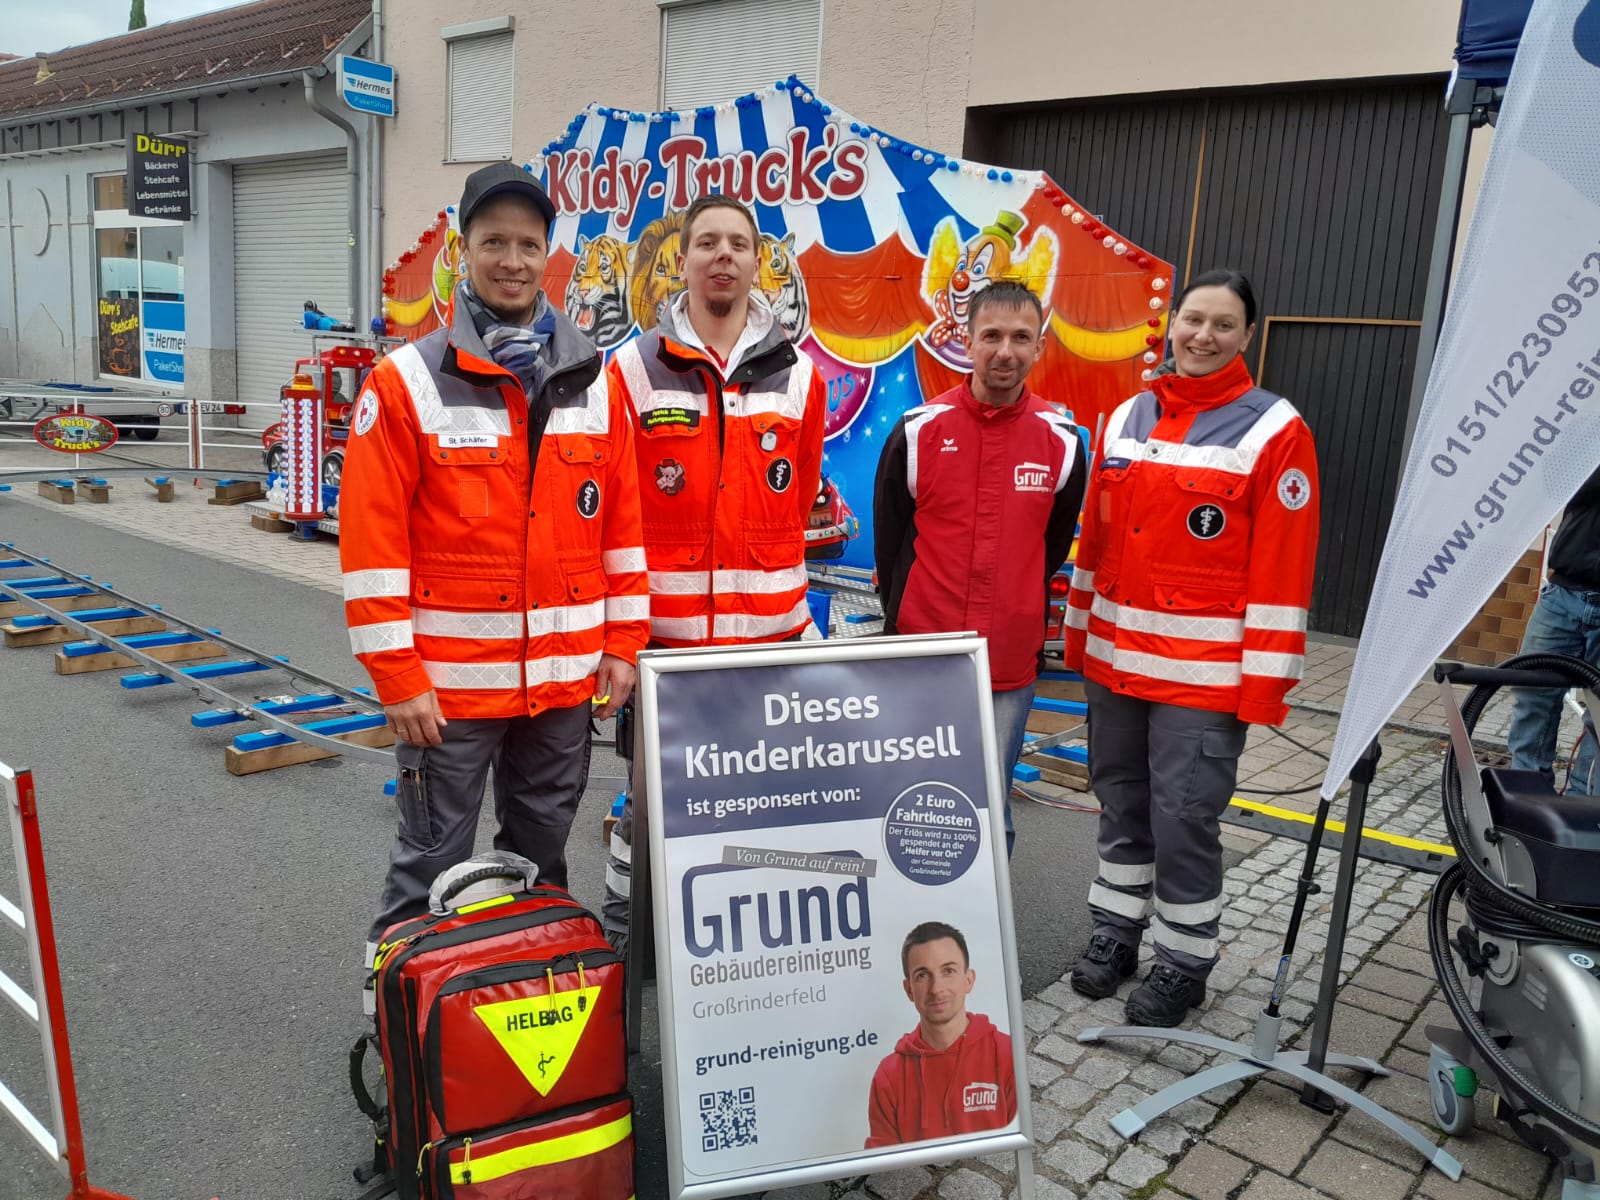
pixel 567 351
pixel 766 348
pixel 1181 395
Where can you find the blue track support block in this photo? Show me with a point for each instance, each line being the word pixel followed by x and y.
pixel 55 593
pixel 12 563
pixel 391 787
pixel 5 487
pixel 227 716
pixel 97 482
pixel 1062 676
pixel 269 738
pixel 1023 773
pixel 65 484
pixel 859 618
pixel 1070 708
pixel 36 581
pixel 1077 754
pixel 213 670
pixel 87 615
pixel 138 641
pixel 362 691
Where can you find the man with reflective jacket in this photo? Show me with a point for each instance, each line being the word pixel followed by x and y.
pixel 494 575
pixel 728 421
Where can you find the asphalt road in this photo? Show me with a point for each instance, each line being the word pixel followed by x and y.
pixel 210 927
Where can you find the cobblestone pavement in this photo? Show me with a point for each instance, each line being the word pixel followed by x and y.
pixel 1250 1141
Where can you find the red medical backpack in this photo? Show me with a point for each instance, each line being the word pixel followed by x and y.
pixel 500 1030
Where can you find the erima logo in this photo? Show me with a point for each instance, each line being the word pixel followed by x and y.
pixel 980 1097
pixel 949 446
pixel 1032 477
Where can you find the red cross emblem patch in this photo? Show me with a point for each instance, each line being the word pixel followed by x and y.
pixel 1294 489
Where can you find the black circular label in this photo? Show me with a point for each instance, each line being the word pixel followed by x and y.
pixel 1206 521
pixel 780 474
pixel 589 498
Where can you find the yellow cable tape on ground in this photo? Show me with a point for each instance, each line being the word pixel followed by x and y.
pixel 1377 835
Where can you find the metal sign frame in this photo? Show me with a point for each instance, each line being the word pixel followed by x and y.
pixel 655 664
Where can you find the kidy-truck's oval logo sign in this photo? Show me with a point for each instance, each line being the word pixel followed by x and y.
pixel 75 433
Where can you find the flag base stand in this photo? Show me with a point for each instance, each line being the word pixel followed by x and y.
pixel 1262 1053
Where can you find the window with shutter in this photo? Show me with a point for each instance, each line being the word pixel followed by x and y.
pixel 479 70
pixel 714 50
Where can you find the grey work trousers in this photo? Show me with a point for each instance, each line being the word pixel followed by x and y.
pixel 1164 775
pixel 541 766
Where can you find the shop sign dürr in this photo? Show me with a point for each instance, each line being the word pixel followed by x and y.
pixel 75 433
pixel 158 176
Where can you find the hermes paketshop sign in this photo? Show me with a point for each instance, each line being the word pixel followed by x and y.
pixel 158 176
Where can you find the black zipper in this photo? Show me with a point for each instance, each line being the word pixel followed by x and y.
pixel 440 1151
pixel 506 972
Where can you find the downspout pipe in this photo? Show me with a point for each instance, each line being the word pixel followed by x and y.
pixel 376 138
pixel 352 169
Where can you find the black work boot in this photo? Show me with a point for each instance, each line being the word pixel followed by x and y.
pixel 1165 998
pixel 1104 965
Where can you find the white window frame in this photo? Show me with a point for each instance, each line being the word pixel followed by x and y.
pixel 810 71
pixel 453 36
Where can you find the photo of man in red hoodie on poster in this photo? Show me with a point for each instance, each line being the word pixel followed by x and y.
pixel 953 1073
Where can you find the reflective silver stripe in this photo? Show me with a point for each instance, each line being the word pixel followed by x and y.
pixel 384 635
pixel 783 579
pixel 1082 581
pixel 617 883
pixel 747 627
pixel 561 668
pixel 633 374
pixel 620 562
pixel 1236 460
pixel 621 850
pixel 1189 914
pixel 368 585
pixel 1279 666
pixel 1284 618
pixel 680 583
pixel 593 416
pixel 1268 425
pixel 1175 625
pixel 495 676
pixel 915 420
pixel 1164 935
pixel 476 626
pixel 627 608
pixel 1174 670
pixel 1077 618
pixel 680 629
pixel 433 416
pixel 1126 874
pixel 566 618
pixel 1114 426
pixel 1135 907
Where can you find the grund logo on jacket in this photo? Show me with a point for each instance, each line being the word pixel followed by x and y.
pixel 980 1097
pixel 1032 477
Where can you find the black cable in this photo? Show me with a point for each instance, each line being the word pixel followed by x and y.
pixel 1298 746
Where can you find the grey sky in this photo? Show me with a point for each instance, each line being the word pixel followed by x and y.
pixel 31 25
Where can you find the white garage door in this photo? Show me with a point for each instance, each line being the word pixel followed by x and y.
pixel 290 224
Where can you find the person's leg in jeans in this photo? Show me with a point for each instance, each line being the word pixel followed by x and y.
pixel 1011 710
pixel 1556 626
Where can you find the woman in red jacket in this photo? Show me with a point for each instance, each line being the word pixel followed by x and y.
pixel 1187 619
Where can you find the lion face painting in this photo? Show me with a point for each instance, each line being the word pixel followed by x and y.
pixel 597 295
pixel 778 278
pixel 653 269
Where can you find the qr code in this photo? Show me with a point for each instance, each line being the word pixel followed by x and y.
pixel 727 1119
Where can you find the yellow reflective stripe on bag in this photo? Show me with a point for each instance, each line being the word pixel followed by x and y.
pixel 543 1154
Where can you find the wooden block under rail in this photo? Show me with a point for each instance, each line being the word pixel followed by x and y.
pixel 95 491
pixel 54 635
pixel 60 492
pixel 164 488
pixel 248 762
pixel 237 491
pixel 111 660
pixel 1059 771
pixel 89 599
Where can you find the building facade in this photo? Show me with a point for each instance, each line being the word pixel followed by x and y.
pixel 284 202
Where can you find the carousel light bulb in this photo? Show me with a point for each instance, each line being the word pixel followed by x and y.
pixel 1155 301
pixel 1150 356
pixel 1077 218
pixel 1109 241
pixel 1147 376
pixel 1158 284
pixel 1120 248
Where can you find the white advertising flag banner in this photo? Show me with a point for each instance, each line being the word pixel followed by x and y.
pixel 1510 424
pixel 834 942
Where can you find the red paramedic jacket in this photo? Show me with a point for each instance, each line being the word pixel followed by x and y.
pixel 920 1093
pixel 973 512
pixel 1194 571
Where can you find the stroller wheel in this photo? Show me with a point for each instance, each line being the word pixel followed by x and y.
pixel 1452 1086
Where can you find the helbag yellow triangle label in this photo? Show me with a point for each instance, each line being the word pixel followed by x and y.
pixel 540 1033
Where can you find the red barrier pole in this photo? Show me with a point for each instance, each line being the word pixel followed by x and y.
pixel 50 984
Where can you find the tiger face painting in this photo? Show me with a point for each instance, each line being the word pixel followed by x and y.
pixel 597 295
pixel 778 278
pixel 653 269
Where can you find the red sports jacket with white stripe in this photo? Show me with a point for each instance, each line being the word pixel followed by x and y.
pixel 973 513
pixel 1194 570
pixel 486 557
